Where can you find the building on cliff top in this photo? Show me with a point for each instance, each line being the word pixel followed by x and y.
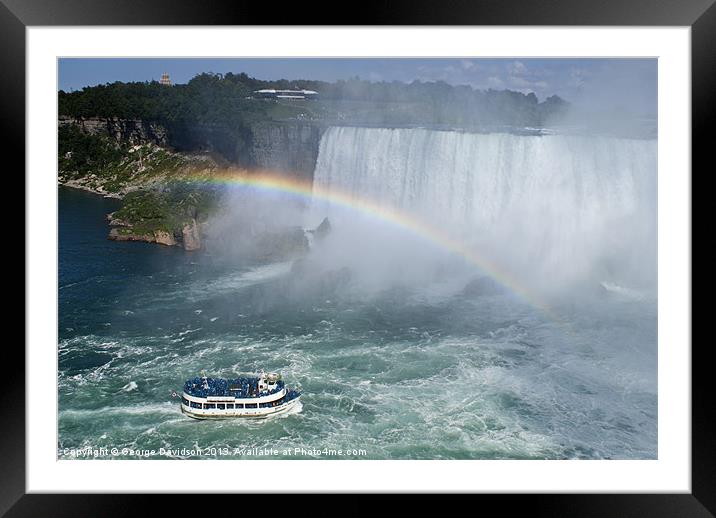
pixel 286 94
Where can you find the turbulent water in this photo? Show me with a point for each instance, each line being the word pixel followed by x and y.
pixel 401 349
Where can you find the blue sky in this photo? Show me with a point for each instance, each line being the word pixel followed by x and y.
pixel 611 84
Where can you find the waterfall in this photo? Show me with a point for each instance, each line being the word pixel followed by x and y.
pixel 557 205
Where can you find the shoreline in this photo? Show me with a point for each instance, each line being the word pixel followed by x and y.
pixel 85 188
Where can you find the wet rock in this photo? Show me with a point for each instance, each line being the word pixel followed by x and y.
pixel 323 229
pixel 191 238
pixel 483 286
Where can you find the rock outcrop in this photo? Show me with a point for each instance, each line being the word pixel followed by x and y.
pixel 134 131
pixel 322 230
pixel 161 237
pixel 190 236
pixel 483 286
pixel 114 221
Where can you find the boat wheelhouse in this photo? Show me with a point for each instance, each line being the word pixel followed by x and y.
pixel 219 398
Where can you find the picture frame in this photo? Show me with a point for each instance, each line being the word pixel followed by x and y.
pixel 16 16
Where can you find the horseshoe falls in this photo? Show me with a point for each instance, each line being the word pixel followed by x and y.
pixel 551 210
pixel 479 296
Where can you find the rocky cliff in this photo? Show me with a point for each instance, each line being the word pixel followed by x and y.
pixel 132 131
pixel 289 146
pixel 188 237
pixel 174 215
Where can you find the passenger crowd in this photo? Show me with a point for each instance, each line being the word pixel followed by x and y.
pixel 239 387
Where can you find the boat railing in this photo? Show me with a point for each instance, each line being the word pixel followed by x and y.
pixel 240 388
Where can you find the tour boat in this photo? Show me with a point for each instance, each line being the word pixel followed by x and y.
pixel 218 398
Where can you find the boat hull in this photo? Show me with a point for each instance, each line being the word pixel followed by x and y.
pixel 255 413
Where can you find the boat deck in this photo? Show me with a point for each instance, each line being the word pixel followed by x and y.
pixel 219 387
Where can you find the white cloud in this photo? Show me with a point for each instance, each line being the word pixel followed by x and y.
pixel 495 82
pixel 522 82
pixel 519 81
pixel 516 68
pixel 576 78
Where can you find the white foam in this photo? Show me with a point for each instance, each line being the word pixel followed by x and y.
pixel 129 387
pixel 146 409
pixel 202 290
pixel 628 293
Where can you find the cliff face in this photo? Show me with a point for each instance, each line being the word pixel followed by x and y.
pixel 191 237
pixel 290 147
pixel 217 139
pixel 133 131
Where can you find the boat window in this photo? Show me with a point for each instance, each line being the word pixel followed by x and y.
pixel 239 405
pixel 195 405
pixel 185 401
pixel 251 405
pixel 220 406
pixel 209 405
pixel 229 406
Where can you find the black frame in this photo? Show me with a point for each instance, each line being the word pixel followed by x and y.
pixel 700 15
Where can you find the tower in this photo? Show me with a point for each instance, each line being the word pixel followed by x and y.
pixel 165 80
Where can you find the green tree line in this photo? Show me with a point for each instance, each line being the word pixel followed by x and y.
pixel 227 99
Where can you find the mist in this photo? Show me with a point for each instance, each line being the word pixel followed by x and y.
pixel 559 215
pixel 567 212
pixel 248 220
pixel 615 97
pixel 551 211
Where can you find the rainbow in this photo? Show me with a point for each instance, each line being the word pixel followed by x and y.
pixel 268 181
